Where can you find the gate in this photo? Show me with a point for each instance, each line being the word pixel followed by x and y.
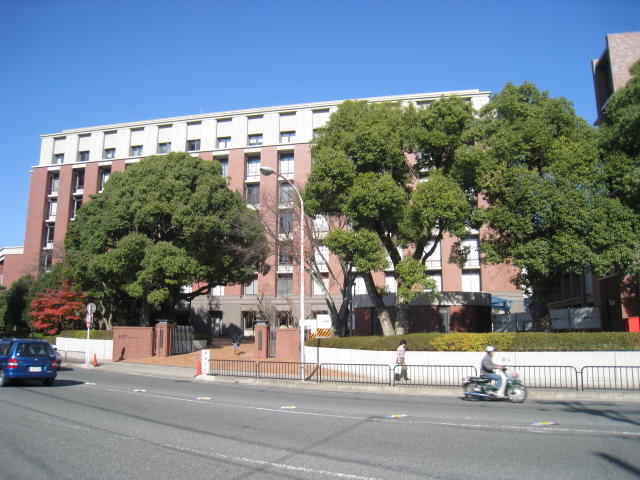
pixel 182 339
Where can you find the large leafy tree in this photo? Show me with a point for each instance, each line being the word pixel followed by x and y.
pixel 549 209
pixel 166 222
pixel 13 302
pixel 368 161
pixel 620 140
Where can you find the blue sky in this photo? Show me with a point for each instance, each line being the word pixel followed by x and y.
pixel 78 63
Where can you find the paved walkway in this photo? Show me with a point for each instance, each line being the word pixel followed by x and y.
pixel 220 348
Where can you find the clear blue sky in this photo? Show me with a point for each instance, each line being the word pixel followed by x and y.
pixel 80 63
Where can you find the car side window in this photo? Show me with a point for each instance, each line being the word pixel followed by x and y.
pixel 4 348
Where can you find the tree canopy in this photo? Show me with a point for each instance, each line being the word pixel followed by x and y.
pixel 368 162
pixel 166 222
pixel 549 209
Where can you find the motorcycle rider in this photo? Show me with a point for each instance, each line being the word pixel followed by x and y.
pixel 488 369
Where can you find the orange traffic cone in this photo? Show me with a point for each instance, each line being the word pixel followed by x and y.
pixel 199 369
pixel 95 360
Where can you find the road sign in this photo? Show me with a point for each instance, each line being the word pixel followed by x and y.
pixel 88 319
pixel 91 308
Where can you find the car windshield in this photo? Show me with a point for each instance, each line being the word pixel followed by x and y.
pixel 34 350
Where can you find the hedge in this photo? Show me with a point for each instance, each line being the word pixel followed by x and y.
pixel 475 342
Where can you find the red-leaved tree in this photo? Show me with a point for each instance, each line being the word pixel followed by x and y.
pixel 54 309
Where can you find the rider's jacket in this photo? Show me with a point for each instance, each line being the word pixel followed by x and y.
pixel 487 365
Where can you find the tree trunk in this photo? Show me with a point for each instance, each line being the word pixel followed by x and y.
pixel 543 292
pixel 378 304
pixel 402 316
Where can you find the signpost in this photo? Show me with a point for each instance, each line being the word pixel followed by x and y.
pixel 91 308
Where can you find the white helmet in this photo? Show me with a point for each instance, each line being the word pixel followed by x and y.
pixel 489 349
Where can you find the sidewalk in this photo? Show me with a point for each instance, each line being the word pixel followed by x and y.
pixel 185 366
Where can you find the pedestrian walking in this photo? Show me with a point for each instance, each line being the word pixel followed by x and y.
pixel 400 360
pixel 235 338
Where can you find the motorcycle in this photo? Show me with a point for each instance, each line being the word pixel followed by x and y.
pixel 481 388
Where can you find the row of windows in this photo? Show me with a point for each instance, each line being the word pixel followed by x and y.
pixel 165 147
pixel 471 282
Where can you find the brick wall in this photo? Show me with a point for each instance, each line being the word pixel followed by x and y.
pixel 132 342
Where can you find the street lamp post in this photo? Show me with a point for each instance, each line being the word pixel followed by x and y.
pixel 266 171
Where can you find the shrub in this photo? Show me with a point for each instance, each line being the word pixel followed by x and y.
pixel 475 342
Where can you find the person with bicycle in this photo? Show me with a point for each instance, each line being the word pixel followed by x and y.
pixel 488 369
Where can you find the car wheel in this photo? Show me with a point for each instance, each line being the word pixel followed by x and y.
pixel 4 381
pixel 47 382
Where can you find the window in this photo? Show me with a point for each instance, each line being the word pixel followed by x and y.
pixel 164 147
pixel 54 182
pixel 286 165
pixel 255 139
pixel 217 291
pixel 224 163
pixel 285 222
pixel 78 181
pixel 224 142
pixel 105 173
pixel 58 158
pixel 390 282
pixel 251 288
pixel 473 258
pixel 109 153
pixel 286 194
pixel 252 193
pixel 49 233
pixel 253 169
pixel 285 254
pixel 320 225
pixel 317 289
pixel 322 257
pixel 359 288
pixel 285 284
pixel 471 282
pixel 438 279
pixel 136 150
pixel 75 206
pixel 83 156
pixel 53 210
pixel 47 260
pixel 435 260
pixel 193 145
pixel 287 137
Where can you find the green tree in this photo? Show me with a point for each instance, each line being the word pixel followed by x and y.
pixel 368 161
pixel 166 222
pixel 15 300
pixel 549 209
pixel 620 140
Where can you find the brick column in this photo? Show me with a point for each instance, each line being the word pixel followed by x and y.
pixel 261 344
pixel 164 339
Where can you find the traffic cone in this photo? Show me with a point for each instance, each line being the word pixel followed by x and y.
pixel 95 360
pixel 199 369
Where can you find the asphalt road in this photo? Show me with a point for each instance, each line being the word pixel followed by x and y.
pixel 93 424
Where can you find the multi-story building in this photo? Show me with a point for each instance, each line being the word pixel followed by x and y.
pixel 611 70
pixel 76 163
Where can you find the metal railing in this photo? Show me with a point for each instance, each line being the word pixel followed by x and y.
pixel 563 377
pixel 548 376
pixel 435 375
pixel 359 374
pixel 615 378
